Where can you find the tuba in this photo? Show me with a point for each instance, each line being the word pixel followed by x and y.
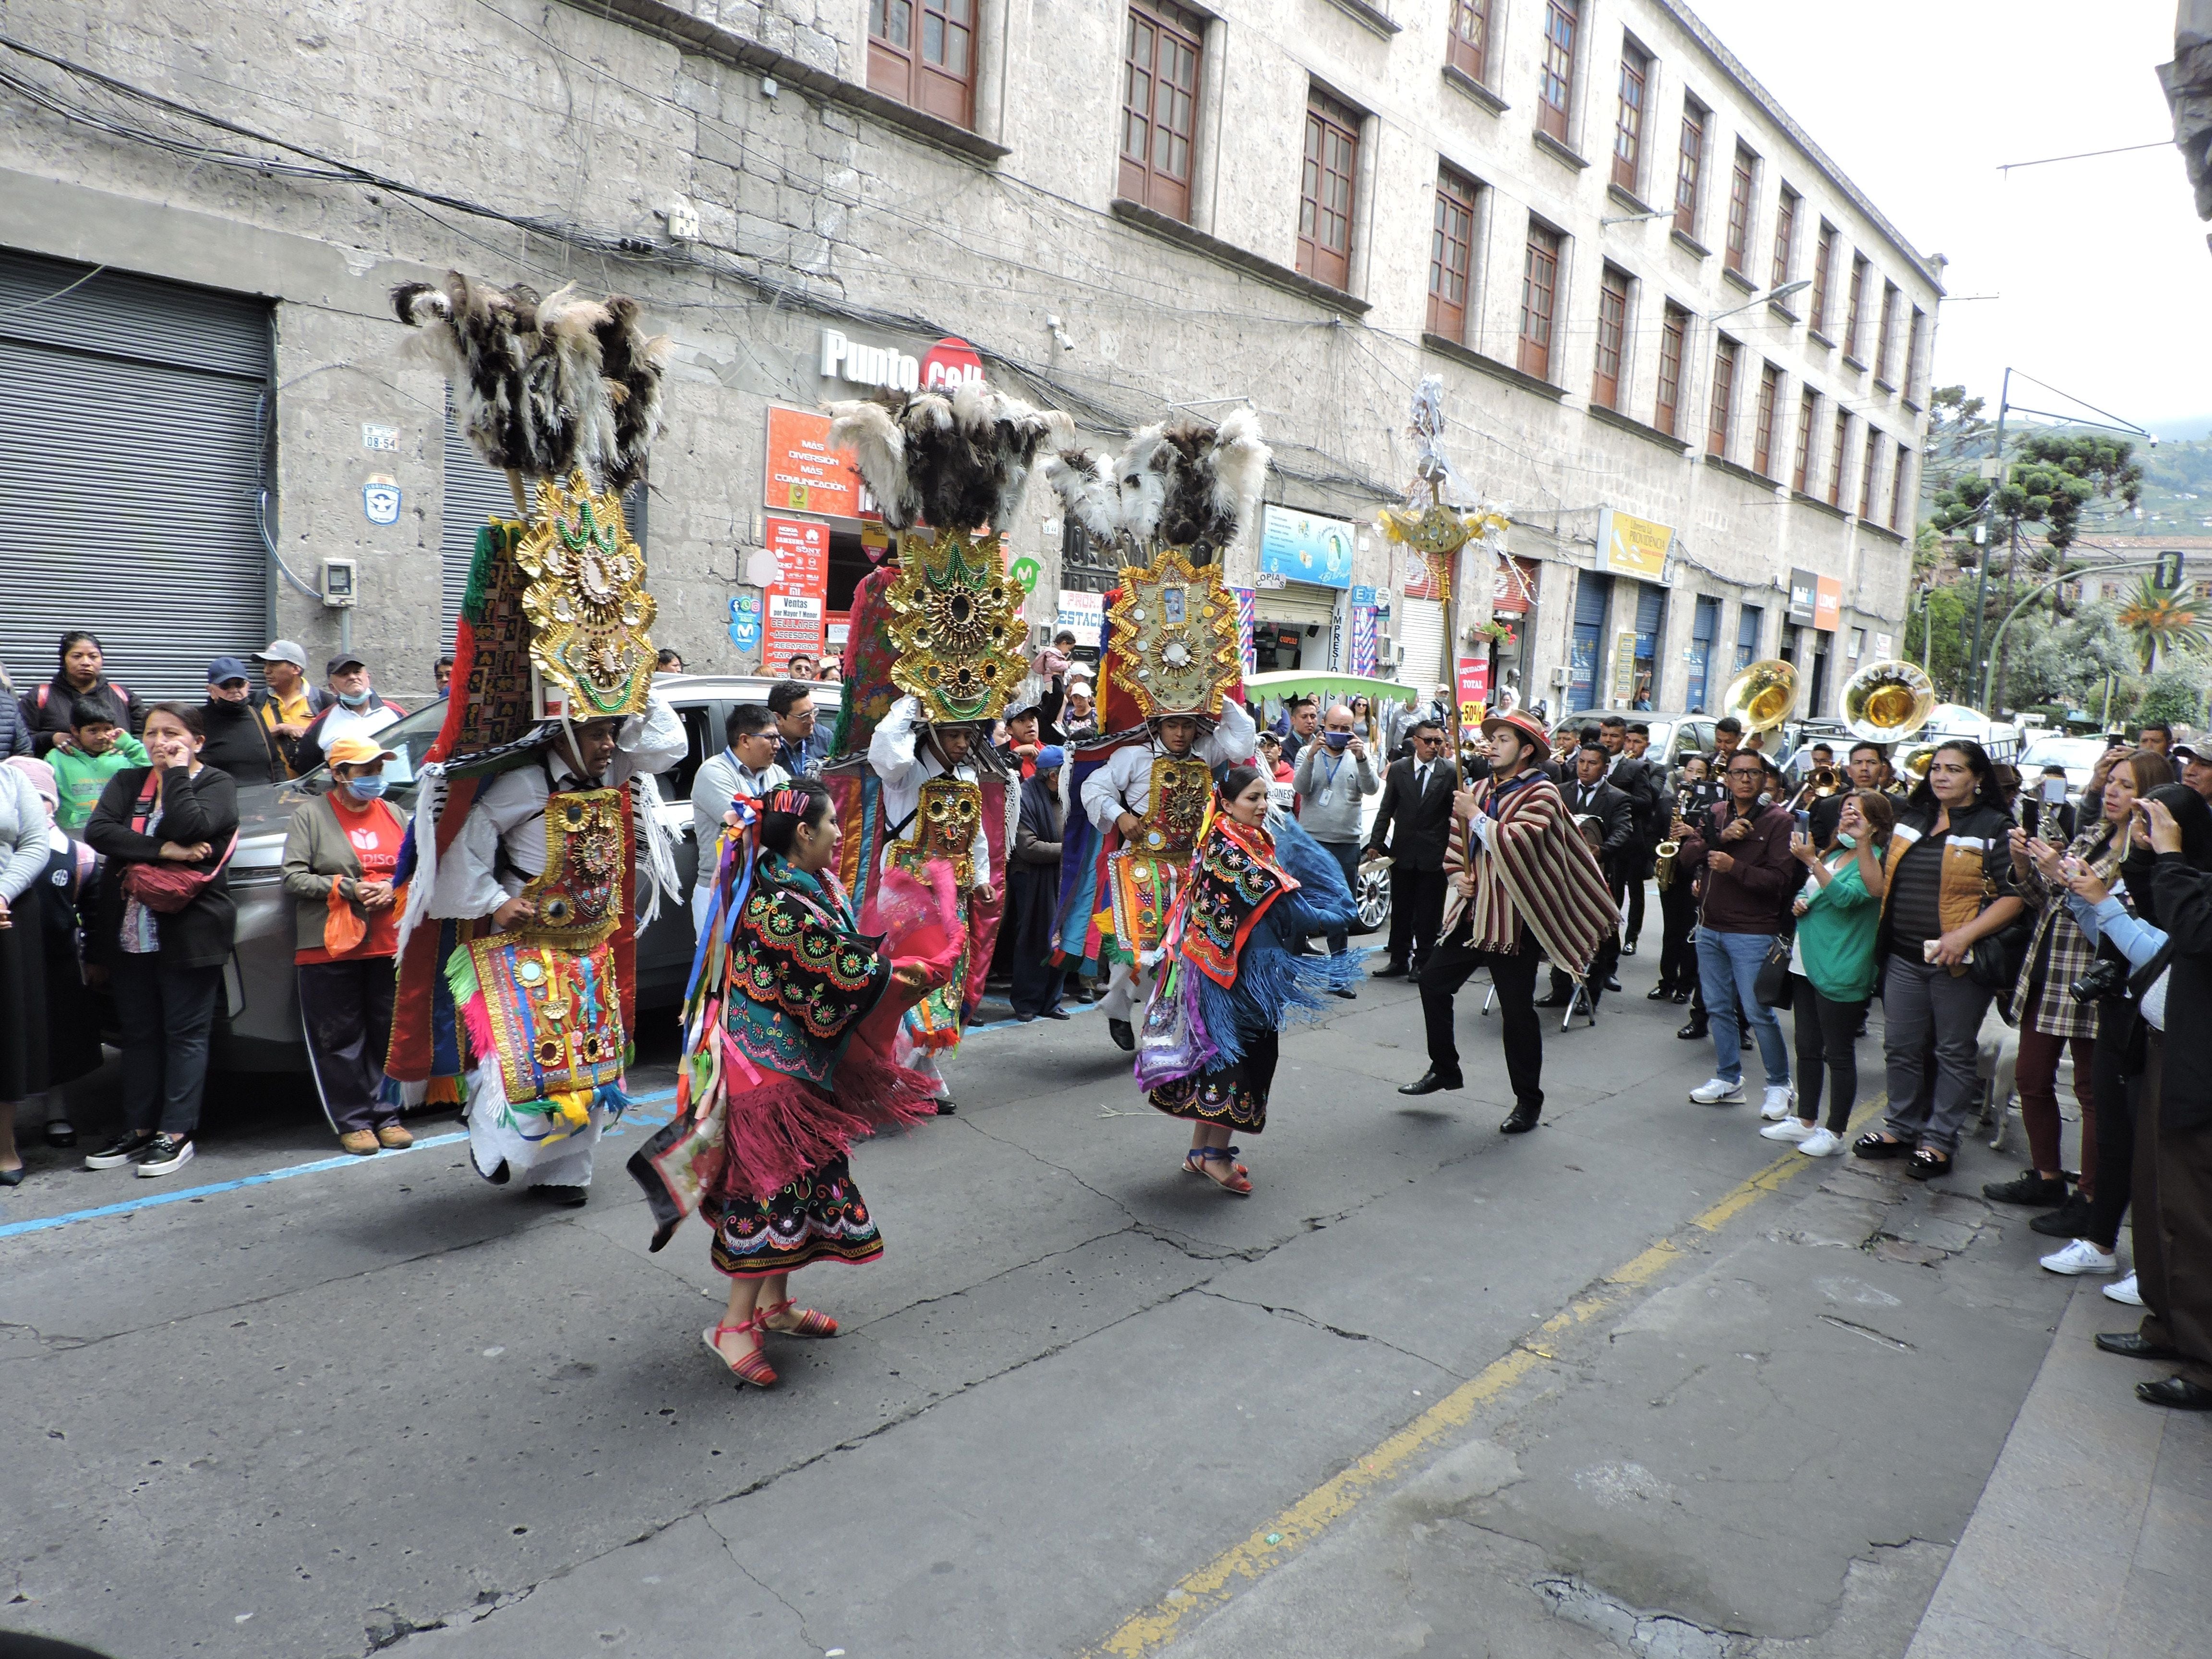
pixel 1762 694
pixel 1886 701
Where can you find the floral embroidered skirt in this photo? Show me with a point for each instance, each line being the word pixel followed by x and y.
pixel 1234 1096
pixel 820 1217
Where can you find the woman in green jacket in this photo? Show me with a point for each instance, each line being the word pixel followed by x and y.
pixel 1832 968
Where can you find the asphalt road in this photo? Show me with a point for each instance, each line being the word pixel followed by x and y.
pixel 1086 1403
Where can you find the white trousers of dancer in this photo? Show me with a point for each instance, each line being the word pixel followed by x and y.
pixel 1129 992
pixel 492 1140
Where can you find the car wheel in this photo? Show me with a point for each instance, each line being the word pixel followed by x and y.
pixel 1373 897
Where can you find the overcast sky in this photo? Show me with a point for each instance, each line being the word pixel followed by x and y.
pixel 2102 264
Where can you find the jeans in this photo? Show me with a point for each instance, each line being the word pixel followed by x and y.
pixel 1827 1034
pixel 1514 973
pixel 1728 966
pixel 345 1009
pixel 1927 1010
pixel 1346 854
pixel 166 1014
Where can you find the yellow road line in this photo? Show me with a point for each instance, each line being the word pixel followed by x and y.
pixel 1305 1521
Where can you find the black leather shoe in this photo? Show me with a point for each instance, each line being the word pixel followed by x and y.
pixel 1523 1119
pixel 1659 994
pixel 1429 1083
pixel 1124 1038
pixel 1057 1013
pixel 1555 998
pixel 2027 1188
pixel 60 1132
pixel 2134 1345
pixel 2070 1220
pixel 1391 970
pixel 1611 982
pixel 946 1108
pixel 567 1198
pixel 1628 947
pixel 1695 1031
pixel 2176 1392
pixel 1347 992
pixel 1682 996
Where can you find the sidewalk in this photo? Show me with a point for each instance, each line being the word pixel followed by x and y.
pixel 2093 1537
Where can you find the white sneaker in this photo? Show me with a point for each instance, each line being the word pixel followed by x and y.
pixel 2080 1257
pixel 1718 1091
pixel 1788 1129
pixel 2126 1290
pixel 1780 1097
pixel 1821 1143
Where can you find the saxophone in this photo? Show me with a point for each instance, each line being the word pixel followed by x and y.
pixel 1663 868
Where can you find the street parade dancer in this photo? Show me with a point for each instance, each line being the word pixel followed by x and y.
pixel 1179 492
pixel 1256 889
pixel 788 1028
pixel 1519 879
pixel 935 652
pixel 535 857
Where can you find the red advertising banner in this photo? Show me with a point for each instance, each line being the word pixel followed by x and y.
pixel 803 473
pixel 798 599
pixel 1473 688
pixel 1827 604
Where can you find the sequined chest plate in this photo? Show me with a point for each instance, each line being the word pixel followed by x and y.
pixel 945 822
pixel 578 898
pixel 1175 805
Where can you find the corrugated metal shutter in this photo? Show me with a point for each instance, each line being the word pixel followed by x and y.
pixel 132 417
pixel 1421 638
pixel 1299 602
pixel 475 492
pixel 1591 591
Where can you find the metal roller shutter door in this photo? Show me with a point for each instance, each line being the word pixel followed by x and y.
pixel 130 457
pixel 1421 643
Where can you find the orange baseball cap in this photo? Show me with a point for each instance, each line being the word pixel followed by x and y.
pixel 357 751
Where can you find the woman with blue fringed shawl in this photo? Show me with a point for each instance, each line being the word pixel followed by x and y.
pixel 1258 886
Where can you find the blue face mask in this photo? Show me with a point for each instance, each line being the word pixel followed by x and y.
pixel 353 699
pixel 369 789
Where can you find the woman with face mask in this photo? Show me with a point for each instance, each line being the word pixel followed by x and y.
pixel 340 852
pixel 1832 966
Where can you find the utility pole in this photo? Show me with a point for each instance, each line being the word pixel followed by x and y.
pixel 1974 676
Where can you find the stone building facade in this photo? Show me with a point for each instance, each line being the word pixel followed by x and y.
pixel 1575 213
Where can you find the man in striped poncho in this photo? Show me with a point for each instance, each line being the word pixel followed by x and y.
pixel 1519 880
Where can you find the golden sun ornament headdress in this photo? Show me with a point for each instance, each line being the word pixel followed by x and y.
pixel 956 621
pixel 1175 638
pixel 586 601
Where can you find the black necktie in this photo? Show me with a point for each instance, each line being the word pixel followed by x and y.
pixel 1421 777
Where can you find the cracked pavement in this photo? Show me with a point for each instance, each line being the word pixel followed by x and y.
pixel 388 1407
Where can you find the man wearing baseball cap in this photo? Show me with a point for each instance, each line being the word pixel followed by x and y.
pixel 288 703
pixel 1519 880
pixel 237 742
pixel 2194 760
pixel 358 712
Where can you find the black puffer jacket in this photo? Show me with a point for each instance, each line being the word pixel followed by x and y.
pixel 194 808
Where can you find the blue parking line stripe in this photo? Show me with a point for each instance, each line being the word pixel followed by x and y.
pixel 345 1160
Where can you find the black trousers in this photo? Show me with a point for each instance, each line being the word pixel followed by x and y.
pixel 346 1010
pixel 1678 920
pixel 1602 967
pixel 1417 909
pixel 1827 1038
pixel 2173 1227
pixel 1514 973
pixel 1634 928
pixel 2115 1126
pixel 166 1014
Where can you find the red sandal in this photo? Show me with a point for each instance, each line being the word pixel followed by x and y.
pixel 752 1367
pixel 1239 1183
pixel 810 1323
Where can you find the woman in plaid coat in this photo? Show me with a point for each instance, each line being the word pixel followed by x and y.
pixel 2042 1004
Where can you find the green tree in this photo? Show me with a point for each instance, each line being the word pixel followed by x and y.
pixel 2163 620
pixel 2177 692
pixel 1941 617
pixel 2049 477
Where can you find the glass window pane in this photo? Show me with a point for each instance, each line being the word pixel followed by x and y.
pixel 933 37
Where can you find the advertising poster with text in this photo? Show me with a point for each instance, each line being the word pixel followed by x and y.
pixel 797 597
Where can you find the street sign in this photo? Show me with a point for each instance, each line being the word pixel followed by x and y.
pixel 2169 569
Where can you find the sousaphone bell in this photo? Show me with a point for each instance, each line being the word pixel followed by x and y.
pixel 1762 694
pixel 1887 701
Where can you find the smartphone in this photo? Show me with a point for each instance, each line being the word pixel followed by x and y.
pixel 1928 949
pixel 2054 790
pixel 1804 822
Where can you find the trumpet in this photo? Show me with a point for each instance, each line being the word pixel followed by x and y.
pixel 1824 782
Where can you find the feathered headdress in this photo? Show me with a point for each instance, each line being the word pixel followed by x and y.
pixel 1185 483
pixel 543 387
pixel 952 462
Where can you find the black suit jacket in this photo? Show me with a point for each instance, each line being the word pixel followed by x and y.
pixel 1617 811
pixel 1414 831
pixel 1645 785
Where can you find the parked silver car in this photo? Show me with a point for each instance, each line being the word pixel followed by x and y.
pixel 261 1032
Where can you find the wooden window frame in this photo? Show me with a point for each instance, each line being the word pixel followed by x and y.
pixel 1728 359
pixel 1885 332
pixel 1457 197
pixel 1841 439
pixel 1466 40
pixel 1555 69
pixel 1143 177
pixel 1808 412
pixel 1319 259
pixel 1743 181
pixel 1870 465
pixel 1628 122
pixel 1824 259
pixel 1897 488
pixel 1770 394
pixel 1615 299
pixel 905 74
pixel 1785 235
pixel 1915 333
pixel 1852 297
pixel 1674 337
pixel 1540 298
pixel 1690 167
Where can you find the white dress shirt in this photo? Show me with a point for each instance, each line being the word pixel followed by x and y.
pixel 1125 782
pixel 894 752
